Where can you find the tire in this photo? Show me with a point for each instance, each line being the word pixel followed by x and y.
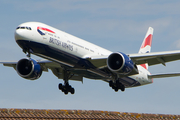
pixel 60 86
pixel 65 92
pixel 110 83
pixel 116 89
pixel 72 90
pixel 122 88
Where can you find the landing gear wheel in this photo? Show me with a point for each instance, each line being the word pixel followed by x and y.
pixel 66 88
pixel 117 85
pixel 122 88
pixel 72 91
pixel 60 86
pixel 65 92
pixel 110 83
pixel 116 89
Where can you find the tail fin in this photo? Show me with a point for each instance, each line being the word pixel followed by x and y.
pixel 146 45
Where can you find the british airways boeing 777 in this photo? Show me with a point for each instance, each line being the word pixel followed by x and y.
pixel 72 58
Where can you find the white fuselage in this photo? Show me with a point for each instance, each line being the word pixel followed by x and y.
pixel 59 40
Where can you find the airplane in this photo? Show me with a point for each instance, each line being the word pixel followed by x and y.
pixel 72 58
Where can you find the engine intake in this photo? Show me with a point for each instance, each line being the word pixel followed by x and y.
pixel 120 63
pixel 28 68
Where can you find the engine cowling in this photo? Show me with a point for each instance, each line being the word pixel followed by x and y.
pixel 28 69
pixel 120 63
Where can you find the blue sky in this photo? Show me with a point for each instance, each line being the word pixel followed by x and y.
pixel 114 25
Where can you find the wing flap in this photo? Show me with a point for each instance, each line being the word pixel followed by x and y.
pixel 58 72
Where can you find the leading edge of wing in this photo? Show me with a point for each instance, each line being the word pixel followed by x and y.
pixel 164 75
pixel 42 62
pixel 154 58
pixel 9 63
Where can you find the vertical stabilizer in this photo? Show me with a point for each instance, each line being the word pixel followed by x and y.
pixel 146 45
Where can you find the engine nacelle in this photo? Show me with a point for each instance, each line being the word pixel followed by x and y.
pixel 28 69
pixel 120 63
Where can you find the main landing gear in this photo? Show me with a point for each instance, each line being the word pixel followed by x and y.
pixel 66 87
pixel 117 85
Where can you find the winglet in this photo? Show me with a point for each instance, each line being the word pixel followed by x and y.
pixel 146 45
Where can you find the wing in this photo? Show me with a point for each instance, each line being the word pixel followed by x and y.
pixel 154 58
pixel 9 63
pixel 55 67
pixel 44 64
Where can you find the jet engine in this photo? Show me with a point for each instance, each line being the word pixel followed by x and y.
pixel 28 69
pixel 120 63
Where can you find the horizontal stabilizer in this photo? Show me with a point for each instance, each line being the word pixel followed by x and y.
pixel 164 75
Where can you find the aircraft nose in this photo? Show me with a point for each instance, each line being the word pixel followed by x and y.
pixel 18 34
pixel 22 33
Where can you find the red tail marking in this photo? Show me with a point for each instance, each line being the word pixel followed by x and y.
pixel 148 41
pixel 144 66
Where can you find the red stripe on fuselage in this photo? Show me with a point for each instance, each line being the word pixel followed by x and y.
pixel 148 41
pixel 45 29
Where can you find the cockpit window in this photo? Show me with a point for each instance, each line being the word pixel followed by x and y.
pixel 29 28
pixel 23 27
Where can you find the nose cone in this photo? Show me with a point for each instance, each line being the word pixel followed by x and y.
pixel 23 33
pixel 19 34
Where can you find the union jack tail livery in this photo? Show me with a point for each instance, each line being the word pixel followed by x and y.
pixel 146 45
